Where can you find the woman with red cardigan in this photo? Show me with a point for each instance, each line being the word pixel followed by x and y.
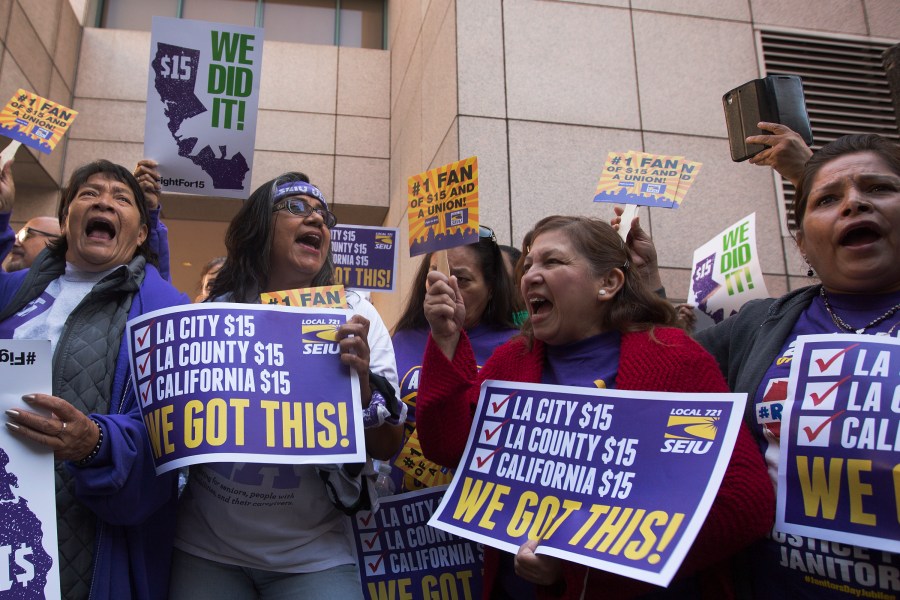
pixel 592 322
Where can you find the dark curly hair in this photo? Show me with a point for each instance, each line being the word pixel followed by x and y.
pixel 249 245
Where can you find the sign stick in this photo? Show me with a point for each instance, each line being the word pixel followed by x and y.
pixel 9 152
pixel 629 212
pixel 443 263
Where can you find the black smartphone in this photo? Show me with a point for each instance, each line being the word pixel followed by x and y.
pixel 775 99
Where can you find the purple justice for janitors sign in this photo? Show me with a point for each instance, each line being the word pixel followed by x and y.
pixel 235 382
pixel 568 465
pixel 837 478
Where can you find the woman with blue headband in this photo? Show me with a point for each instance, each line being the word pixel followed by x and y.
pixel 293 540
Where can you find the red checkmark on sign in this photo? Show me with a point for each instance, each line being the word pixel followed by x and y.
pixel 817 400
pixel 146 391
pixel 489 434
pixel 481 461
pixel 143 367
pixel 374 566
pixel 366 520
pixel 371 543
pixel 141 340
pixel 812 434
pixel 497 406
pixel 827 363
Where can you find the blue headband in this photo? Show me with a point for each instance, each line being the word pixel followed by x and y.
pixel 298 188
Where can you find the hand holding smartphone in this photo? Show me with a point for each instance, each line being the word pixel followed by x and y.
pixel 775 99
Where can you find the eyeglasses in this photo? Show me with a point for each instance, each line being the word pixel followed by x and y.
pixel 302 208
pixel 26 233
pixel 486 233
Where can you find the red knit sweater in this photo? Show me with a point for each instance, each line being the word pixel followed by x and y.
pixel 667 361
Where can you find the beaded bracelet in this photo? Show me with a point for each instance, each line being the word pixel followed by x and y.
pixel 87 459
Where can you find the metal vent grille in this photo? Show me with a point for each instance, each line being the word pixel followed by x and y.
pixel 844 84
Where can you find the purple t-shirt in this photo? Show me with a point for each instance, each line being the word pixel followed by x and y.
pixel 591 362
pixel 793 566
pixel 409 349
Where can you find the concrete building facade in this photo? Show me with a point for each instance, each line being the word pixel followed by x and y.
pixel 539 90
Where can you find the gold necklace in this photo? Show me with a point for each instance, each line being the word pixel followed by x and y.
pixel 843 325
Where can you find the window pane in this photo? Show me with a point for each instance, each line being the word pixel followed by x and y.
pixel 136 14
pixel 235 12
pixel 308 22
pixel 362 23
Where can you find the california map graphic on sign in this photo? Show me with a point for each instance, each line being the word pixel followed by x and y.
pixel 202 100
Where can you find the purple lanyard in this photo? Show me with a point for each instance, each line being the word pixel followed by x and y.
pixel 28 312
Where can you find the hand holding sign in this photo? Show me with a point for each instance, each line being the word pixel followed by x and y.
pixel 442 262
pixel 540 569
pixel 641 248
pixel 68 431
pixel 445 311
pixel 353 339
pixel 147 174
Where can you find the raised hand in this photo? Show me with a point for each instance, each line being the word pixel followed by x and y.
pixel 445 311
pixel 147 174
pixel 787 152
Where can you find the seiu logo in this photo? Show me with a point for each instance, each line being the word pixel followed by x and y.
pixel 320 339
pixel 685 434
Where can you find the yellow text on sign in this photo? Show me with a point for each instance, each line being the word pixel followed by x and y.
pixel 821 484
pixel 637 534
pixel 217 421
pixel 446 586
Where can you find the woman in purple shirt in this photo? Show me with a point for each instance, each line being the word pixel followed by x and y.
pixel 491 301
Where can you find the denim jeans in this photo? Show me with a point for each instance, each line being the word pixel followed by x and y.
pixel 195 578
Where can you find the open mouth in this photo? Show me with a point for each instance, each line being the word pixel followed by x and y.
pixel 539 305
pixel 860 236
pixel 99 228
pixel 313 240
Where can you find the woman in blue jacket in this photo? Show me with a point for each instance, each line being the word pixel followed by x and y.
pixel 115 517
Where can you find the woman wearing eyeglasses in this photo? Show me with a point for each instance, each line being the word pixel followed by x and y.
pixel 491 301
pixel 296 545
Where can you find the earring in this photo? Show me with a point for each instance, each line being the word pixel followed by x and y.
pixel 602 293
pixel 809 270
